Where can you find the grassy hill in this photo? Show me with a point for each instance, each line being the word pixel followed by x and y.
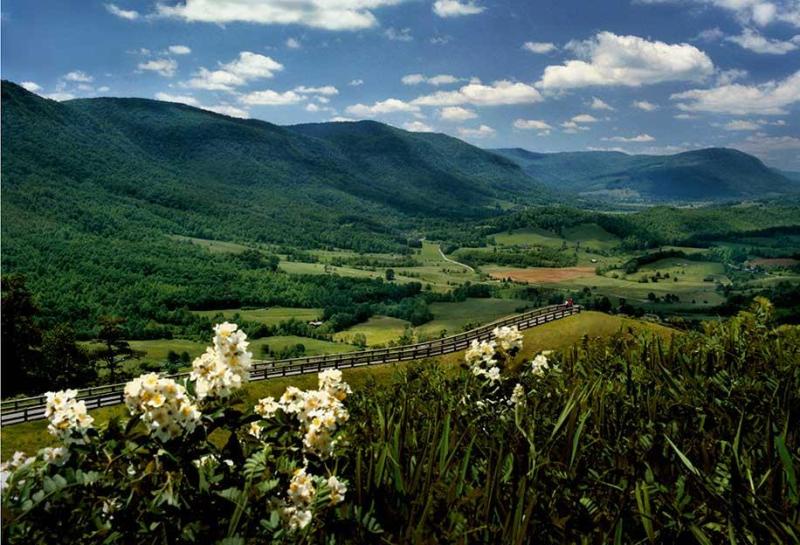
pixel 699 175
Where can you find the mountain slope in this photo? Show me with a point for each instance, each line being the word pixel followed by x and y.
pixel 707 174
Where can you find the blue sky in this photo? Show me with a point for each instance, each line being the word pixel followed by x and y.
pixel 642 76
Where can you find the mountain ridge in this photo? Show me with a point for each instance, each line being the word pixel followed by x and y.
pixel 715 174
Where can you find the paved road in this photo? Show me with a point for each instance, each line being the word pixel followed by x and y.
pixel 32 408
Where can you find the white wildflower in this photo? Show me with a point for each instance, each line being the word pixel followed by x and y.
pixel 55 455
pixel 223 368
pixel 480 352
pixel 301 488
pixel 508 338
pixel 337 488
pixel 254 429
pixel 518 395
pixel 539 365
pixel 493 374
pixel 69 420
pixel 266 407
pixel 166 408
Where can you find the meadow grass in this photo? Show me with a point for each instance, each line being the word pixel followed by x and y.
pixel 268 316
pixel 452 317
pixel 377 330
pixel 213 246
pixel 558 335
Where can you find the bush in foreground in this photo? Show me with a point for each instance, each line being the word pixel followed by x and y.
pixel 627 440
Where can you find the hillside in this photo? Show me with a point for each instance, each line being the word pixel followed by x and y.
pixel 95 192
pixel 709 174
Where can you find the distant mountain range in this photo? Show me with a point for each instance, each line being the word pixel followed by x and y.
pixel 712 174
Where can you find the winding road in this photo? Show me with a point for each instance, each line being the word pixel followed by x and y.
pixel 441 253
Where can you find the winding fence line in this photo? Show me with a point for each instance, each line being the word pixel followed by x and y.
pixel 15 411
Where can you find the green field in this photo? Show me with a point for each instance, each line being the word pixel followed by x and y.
pixel 213 246
pixel 314 347
pixel 268 316
pixel 378 330
pixel 590 235
pixel 453 317
pixel 558 335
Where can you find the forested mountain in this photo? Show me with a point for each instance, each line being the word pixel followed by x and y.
pixel 93 189
pixel 700 175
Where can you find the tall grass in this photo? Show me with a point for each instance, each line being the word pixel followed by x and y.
pixel 629 440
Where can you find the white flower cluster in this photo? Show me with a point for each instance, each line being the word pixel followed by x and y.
pixel 508 338
pixel 301 494
pixel 517 396
pixel 320 412
pixel 55 455
pixel 18 461
pixel 480 357
pixel 68 418
pixel 225 366
pixel 164 405
pixel 539 365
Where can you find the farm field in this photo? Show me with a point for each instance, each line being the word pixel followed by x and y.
pixel 378 330
pixel 268 316
pixel 534 275
pixel 453 317
pixel 558 335
pixel 589 235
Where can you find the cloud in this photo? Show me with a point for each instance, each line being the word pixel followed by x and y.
pixel 78 76
pixel 724 77
pixel 179 49
pixel 398 35
pixel 268 97
pixel 498 93
pixel 227 109
pixel 759 12
pixel 685 116
pixel 644 105
pixel 328 90
pixel 182 99
pixel 129 14
pixel 741 125
pixel 441 79
pixel 539 48
pixel 612 60
pixel 584 118
pixel 456 113
pixel 356 82
pixel 750 125
pixel 247 67
pixel 59 96
pixel 388 106
pixel 710 35
pixel 441 40
pixel 598 104
pixel 31 86
pixel 340 119
pixel 763 145
pixel 164 67
pixel 753 41
pixel 770 98
pixel 417 126
pixel 103 89
pixel 293 43
pixel 323 14
pixel 531 124
pixel 456 8
pixel 637 139
pixel 484 131
pixel 314 108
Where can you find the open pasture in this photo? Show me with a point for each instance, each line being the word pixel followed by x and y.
pixel 268 316
pixel 378 330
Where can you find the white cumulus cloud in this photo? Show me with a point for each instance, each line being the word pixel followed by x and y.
pixel 754 41
pixel 31 86
pixel 179 49
pixel 484 131
pixel 611 60
pixel 644 105
pixel 129 14
pixel 456 113
pixel 268 97
pixel 441 79
pixel 293 43
pixel 337 15
pixel 634 139
pixel 531 124
pixel 456 8
pixel 598 104
pixel 328 90
pixel 164 67
pixel 388 106
pixel 498 93
pixel 247 67
pixel 78 76
pixel 417 126
pixel 770 98
pixel 539 48
pixel 183 99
